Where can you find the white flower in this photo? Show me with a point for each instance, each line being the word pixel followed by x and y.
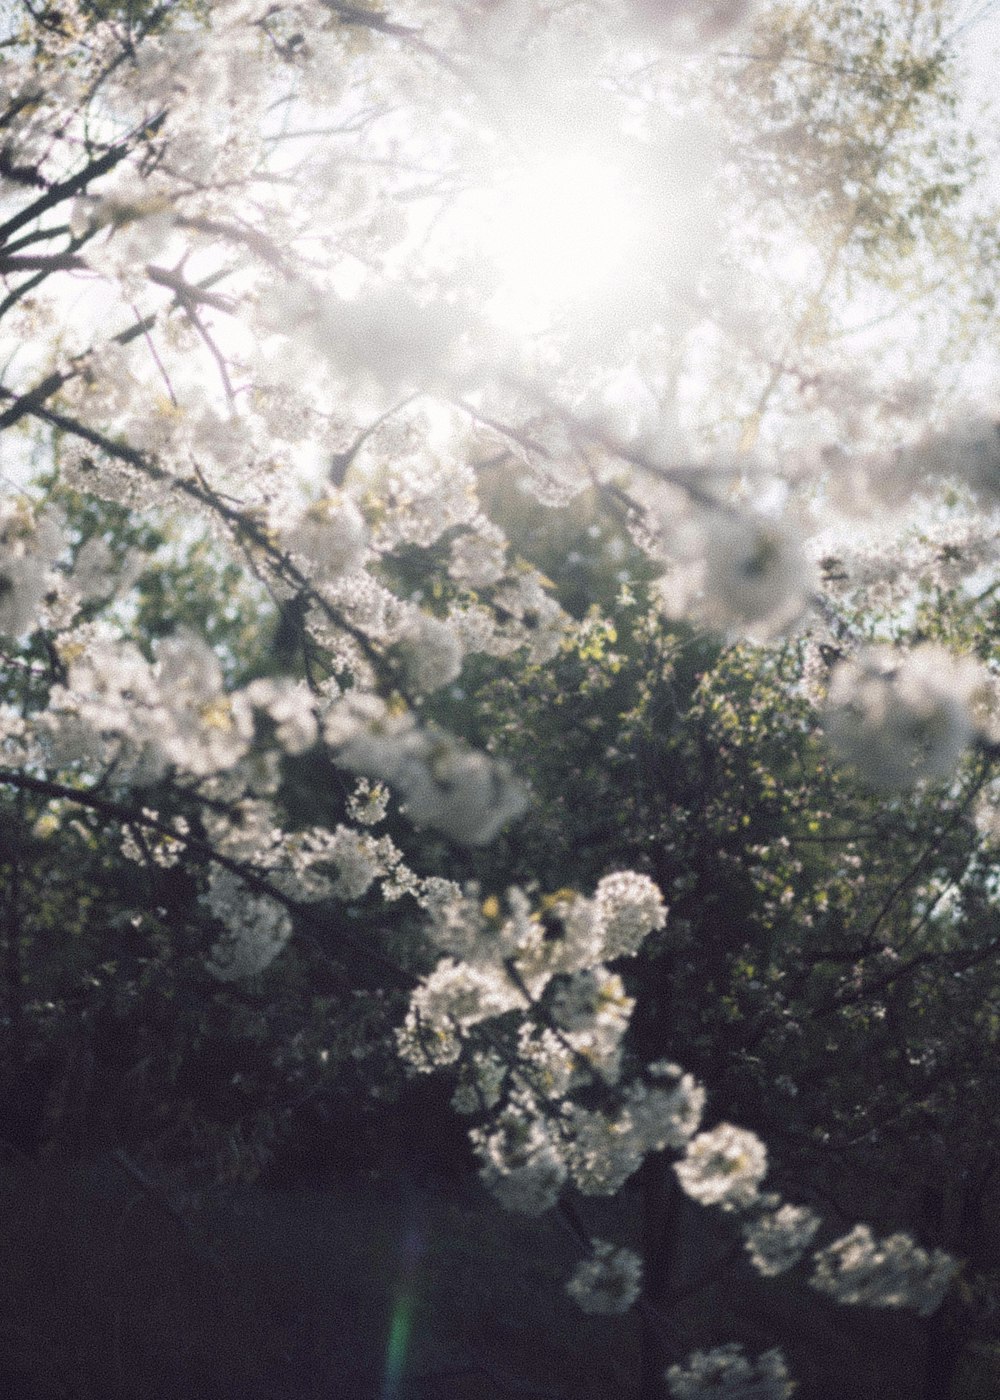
pixel 478 557
pixel 139 220
pixel 366 736
pixel 723 1167
pixel 590 996
pixel 109 710
pixel 209 731
pixel 609 1281
pixel 464 794
pixel 166 851
pixel 522 1166
pixel 629 907
pixel 666 1117
pixel 441 783
pixel 537 620
pixel 603 1152
pixel 901 717
pixel 330 535
pixel 464 994
pixel 725 1373
pixel 481 1081
pixel 892 1273
pixel 358 858
pixel 776 1240
pixel 530 1189
pixel 28 550
pixel 579 946
pixel 290 708
pixel 427 1048
pixel 431 654
pixel 756 573
pixel 368 804
pixel 593 1010
pixel 545 1060
pixel 257 928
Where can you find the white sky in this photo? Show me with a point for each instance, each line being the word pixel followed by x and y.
pixel 978 41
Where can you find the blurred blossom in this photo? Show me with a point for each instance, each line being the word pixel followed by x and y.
pixel 755 572
pixel 522 1165
pixel 256 927
pixel 777 1239
pixel 901 717
pixel 723 1167
pixel 330 535
pixel 607 1282
pixel 29 548
pixel 891 1273
pixel 431 654
pixel 725 1373
pixel 690 24
pixel 441 783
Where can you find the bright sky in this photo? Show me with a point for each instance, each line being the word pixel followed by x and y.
pixel 978 39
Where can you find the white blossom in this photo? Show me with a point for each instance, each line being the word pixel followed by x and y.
pixel 891 1273
pixel 29 548
pixel 666 1116
pixel 593 1010
pixel 546 1060
pixel 163 849
pixel 461 994
pixel 609 1281
pixel 368 803
pixel 723 1167
pixel 431 654
pixel 725 1373
pixel 109 711
pixel 899 718
pixel 330 536
pixel 579 946
pixel 629 907
pixel 777 1239
pixel 440 782
pixel 521 1163
pixel 756 572
pixel 603 1149
pixel 464 794
pixel 478 557
pixel 208 732
pixel 257 927
pixel 480 1083
pixel 290 708
pixel 358 859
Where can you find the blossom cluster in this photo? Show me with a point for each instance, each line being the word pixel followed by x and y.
pixel 890 1273
pixel 726 1372
pixel 902 718
pixel 29 548
pixel 607 1282
pixel 441 783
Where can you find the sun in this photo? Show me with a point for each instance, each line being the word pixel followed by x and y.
pixel 553 233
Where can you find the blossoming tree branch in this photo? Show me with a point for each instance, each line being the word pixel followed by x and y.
pixel 498 524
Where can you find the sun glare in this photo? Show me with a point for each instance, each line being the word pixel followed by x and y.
pixel 554 232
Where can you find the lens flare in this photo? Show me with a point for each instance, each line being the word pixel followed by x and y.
pixel 400 1328
pixel 401 1320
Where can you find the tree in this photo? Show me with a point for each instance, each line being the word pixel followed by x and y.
pixel 416 423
